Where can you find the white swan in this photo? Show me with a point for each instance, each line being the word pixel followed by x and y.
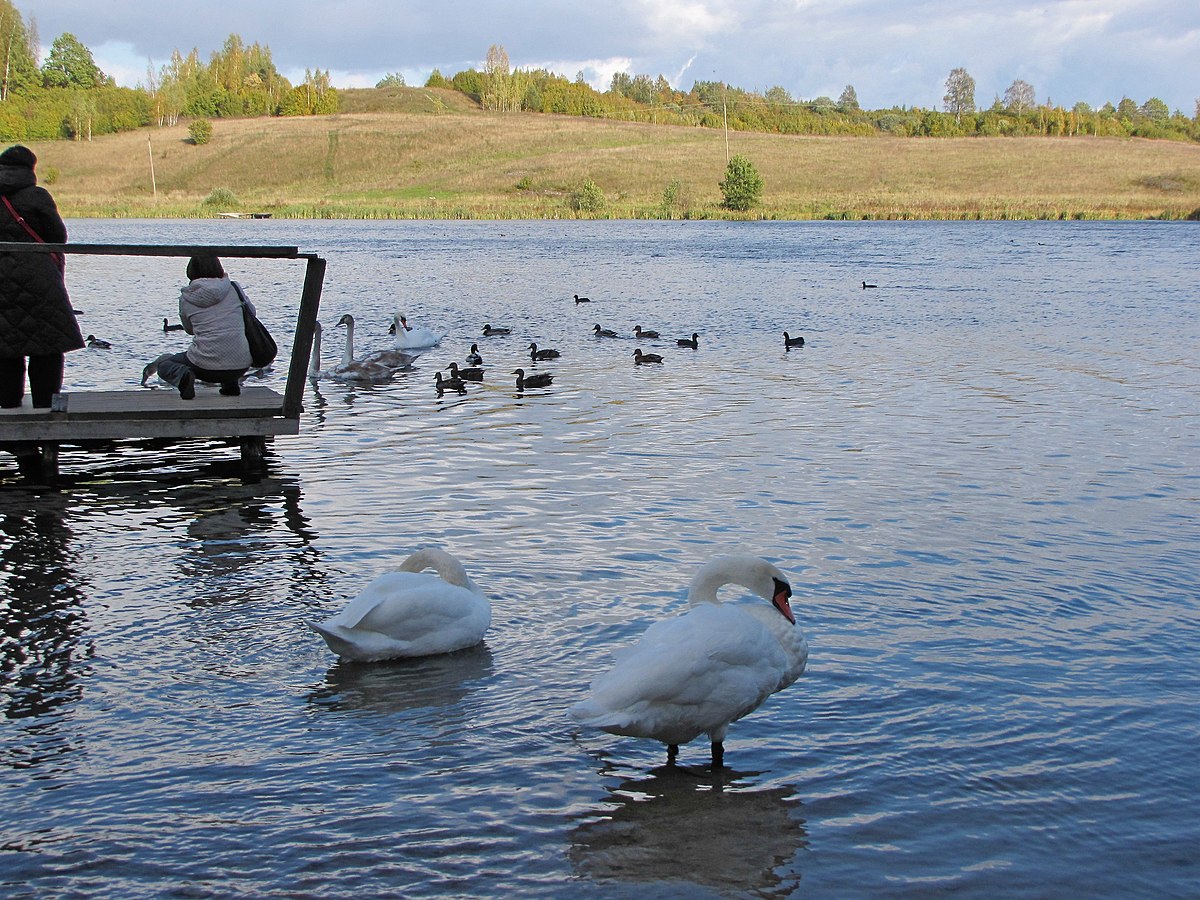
pixel 410 612
pixel 700 671
pixel 413 337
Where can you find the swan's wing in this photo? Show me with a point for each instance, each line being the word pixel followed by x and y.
pixel 686 676
pixel 389 584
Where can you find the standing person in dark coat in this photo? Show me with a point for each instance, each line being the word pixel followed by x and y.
pixel 36 320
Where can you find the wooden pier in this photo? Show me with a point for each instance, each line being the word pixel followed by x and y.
pixel 93 418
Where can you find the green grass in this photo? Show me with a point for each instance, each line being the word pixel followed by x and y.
pixel 398 154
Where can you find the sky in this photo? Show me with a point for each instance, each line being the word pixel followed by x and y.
pixel 893 52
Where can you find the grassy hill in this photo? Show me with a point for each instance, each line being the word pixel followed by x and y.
pixel 421 153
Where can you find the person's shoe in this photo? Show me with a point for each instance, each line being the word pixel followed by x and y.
pixel 187 386
pixel 231 389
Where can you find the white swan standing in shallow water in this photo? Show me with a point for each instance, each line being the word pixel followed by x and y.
pixel 413 337
pixel 700 671
pixel 410 612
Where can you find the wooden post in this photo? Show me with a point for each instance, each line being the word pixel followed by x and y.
pixel 310 302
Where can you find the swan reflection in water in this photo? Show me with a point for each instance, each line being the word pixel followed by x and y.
pixel 437 682
pixel 715 830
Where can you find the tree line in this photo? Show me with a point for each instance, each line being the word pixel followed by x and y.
pixel 68 96
pixel 715 104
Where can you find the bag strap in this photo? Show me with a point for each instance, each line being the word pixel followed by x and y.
pixel 58 258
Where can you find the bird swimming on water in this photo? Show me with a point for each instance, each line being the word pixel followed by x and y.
pixel 639 357
pixel 579 299
pixel 167 326
pixel 790 342
pixel 639 331
pixel 865 285
pixel 472 373
pixel 537 380
pixel 490 330
pixel 95 342
pixel 454 383
pixel 603 332
pixel 473 358
pixel 693 342
pixel 548 353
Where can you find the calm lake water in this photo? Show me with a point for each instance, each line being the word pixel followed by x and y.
pixel 981 477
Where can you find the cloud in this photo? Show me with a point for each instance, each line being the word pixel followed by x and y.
pixel 893 53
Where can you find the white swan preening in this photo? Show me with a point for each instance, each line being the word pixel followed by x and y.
pixel 413 337
pixel 711 666
pixel 410 612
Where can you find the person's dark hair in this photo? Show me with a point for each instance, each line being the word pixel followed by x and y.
pixel 204 267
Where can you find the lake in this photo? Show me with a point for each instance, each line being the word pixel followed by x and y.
pixel 980 476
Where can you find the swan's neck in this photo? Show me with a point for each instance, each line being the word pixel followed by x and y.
pixel 348 353
pixel 750 572
pixel 314 365
pixel 449 568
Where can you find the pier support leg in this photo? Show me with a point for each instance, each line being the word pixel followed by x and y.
pixel 253 451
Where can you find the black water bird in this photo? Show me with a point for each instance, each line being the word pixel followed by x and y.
pixel 865 285
pixel 490 330
pixel 472 373
pixel 639 357
pixel 603 332
pixel 537 380
pixel 579 299
pixel 639 331
pixel 549 353
pixel 167 326
pixel 96 343
pixel 693 342
pixel 473 358
pixel 790 342
pixel 448 384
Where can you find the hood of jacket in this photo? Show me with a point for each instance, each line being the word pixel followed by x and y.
pixel 205 292
pixel 15 178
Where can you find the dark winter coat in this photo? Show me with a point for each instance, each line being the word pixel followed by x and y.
pixel 35 312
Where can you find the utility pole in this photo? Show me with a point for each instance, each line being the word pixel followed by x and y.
pixel 153 183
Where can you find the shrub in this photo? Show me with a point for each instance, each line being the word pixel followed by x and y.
pixel 200 131
pixel 742 186
pixel 588 198
pixel 221 197
pixel 49 175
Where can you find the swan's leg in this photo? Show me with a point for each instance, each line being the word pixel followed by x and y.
pixel 672 752
pixel 718 755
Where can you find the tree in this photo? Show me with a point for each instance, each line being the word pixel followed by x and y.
pixel 499 90
pixel 200 131
pixel 848 101
pixel 1127 109
pixel 1019 97
pixel 960 94
pixel 19 68
pixel 778 95
pixel 391 79
pixel 742 186
pixel 70 64
pixel 1156 111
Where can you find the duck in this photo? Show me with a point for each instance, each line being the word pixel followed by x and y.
pixel 865 285
pixel 409 612
pixel 167 326
pixel 603 332
pixel 96 344
pixel 549 353
pixel 151 368
pixel 378 366
pixel 472 373
pixel 639 331
pixel 693 342
pixel 701 671
pixel 474 358
pixel 789 342
pixel 537 380
pixel 409 337
pixel 639 357
pixel 453 383
pixel 579 299
pixel 490 330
